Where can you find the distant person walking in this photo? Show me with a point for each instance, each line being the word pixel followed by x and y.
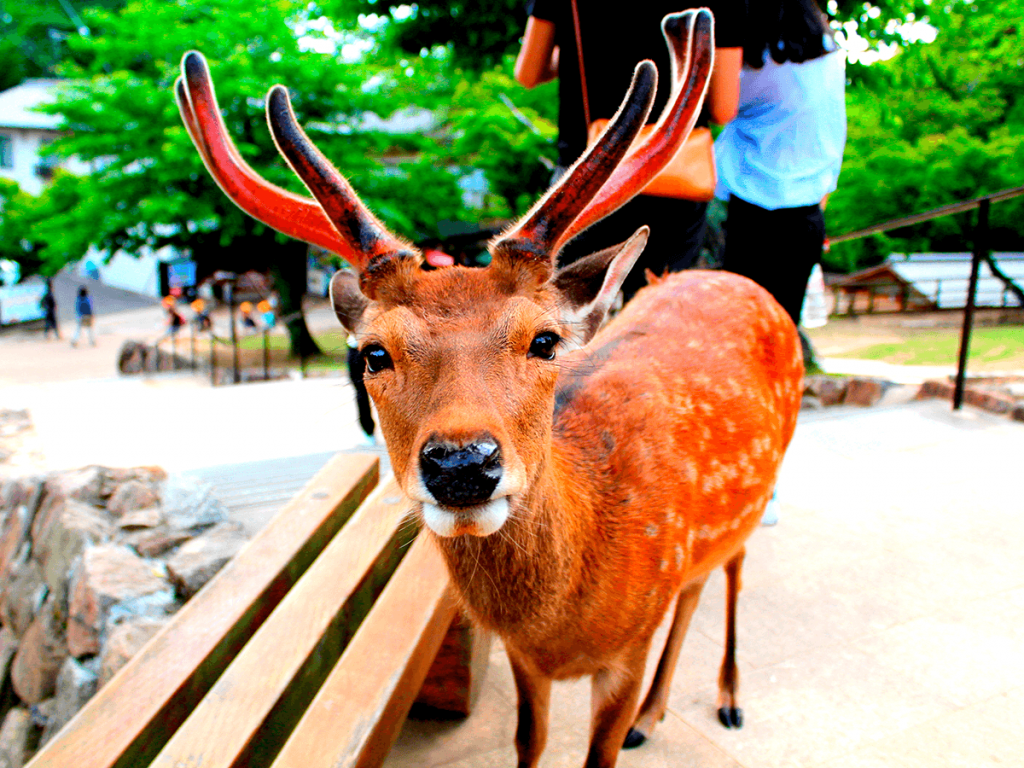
pixel 83 310
pixel 174 320
pixel 49 306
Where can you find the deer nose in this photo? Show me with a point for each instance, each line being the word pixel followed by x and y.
pixel 461 476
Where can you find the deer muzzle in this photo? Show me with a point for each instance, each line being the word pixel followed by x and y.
pixel 462 480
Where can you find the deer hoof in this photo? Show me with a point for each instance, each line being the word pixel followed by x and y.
pixel 634 739
pixel 730 717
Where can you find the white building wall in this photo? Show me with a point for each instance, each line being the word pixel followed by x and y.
pixel 139 274
pixel 26 144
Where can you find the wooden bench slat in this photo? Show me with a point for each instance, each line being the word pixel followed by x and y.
pixel 355 717
pixel 248 713
pixel 131 718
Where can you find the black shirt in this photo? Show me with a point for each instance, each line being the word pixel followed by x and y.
pixel 614 41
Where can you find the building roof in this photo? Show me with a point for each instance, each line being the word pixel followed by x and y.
pixel 943 277
pixel 17 105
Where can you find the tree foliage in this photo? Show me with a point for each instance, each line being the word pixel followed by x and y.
pixel 150 188
pixel 482 34
pixel 938 123
pixel 34 35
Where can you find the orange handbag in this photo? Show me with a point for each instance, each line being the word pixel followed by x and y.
pixel 690 175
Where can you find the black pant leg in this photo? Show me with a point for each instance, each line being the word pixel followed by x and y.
pixel 355 371
pixel 776 249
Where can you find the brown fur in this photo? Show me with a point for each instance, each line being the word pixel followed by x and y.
pixel 649 455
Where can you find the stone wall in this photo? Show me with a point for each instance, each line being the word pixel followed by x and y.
pixel 93 562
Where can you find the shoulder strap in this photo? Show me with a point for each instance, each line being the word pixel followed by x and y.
pixel 579 53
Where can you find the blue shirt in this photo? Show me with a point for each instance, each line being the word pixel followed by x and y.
pixel 785 147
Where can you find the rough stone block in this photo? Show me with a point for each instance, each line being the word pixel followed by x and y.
pixel 124 641
pixel 108 574
pixel 8 647
pixel 188 504
pixel 113 478
pixel 14 736
pixel 40 654
pixel 13 537
pixel 131 496
pixel 828 389
pixel 864 392
pixel 155 541
pixel 22 597
pixel 197 561
pixel 61 533
pixel 147 518
pixel 85 485
pixel 76 684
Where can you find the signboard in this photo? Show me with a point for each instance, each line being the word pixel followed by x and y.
pixel 22 303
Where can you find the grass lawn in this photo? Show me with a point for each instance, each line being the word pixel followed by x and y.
pixel 992 347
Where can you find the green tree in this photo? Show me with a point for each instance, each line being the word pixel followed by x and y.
pixel 938 123
pixel 34 35
pixel 508 132
pixel 150 188
pixel 482 34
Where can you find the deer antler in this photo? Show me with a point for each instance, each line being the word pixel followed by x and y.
pixel 535 235
pixel 291 214
pixel 358 227
pixel 294 215
pixel 689 37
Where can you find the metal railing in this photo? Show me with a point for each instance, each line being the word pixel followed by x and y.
pixel 980 252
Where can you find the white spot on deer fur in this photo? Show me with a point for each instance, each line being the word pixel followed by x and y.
pixel 651 530
pixel 713 483
pixel 679 556
pixel 694 344
pixel 663 566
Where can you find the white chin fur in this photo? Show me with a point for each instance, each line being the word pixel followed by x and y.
pixel 481 520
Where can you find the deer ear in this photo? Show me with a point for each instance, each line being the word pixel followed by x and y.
pixel 589 285
pixel 349 302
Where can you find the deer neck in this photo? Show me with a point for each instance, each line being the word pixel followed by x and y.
pixel 523 574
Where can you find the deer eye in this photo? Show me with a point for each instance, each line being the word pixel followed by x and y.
pixel 377 359
pixel 543 345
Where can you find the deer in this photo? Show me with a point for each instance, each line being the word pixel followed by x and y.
pixel 578 476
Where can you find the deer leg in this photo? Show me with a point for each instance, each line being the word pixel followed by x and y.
pixel 729 714
pixel 534 692
pixel 653 710
pixel 613 699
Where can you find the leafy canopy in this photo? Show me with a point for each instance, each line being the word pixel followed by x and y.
pixel 938 123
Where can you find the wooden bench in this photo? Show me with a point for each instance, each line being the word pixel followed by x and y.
pixel 306 650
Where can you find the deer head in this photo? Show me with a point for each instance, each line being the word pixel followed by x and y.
pixel 462 363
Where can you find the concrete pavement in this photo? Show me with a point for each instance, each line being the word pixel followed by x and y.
pixel 881 623
pixel 882 620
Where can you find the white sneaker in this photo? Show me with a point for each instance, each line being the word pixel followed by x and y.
pixel 771 512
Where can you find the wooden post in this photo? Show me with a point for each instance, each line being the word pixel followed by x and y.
pixel 266 357
pixel 236 376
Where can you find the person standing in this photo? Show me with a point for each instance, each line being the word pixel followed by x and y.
pixel 49 306
pixel 83 311
pixel 780 158
pixel 613 40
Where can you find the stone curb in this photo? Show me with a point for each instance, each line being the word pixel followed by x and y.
pixel 989 400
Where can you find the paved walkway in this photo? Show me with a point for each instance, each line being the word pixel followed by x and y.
pixel 881 623
pixel 882 620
